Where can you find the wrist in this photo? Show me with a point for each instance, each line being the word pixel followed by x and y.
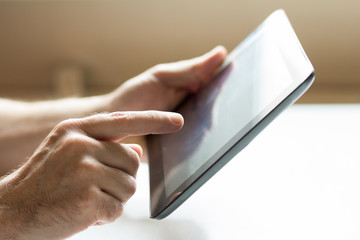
pixel 96 104
pixel 9 228
pixel 113 101
pixel 9 224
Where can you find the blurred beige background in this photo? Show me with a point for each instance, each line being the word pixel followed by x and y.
pixel 99 44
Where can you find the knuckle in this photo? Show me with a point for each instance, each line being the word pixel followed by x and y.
pixel 73 141
pixel 152 116
pixel 120 119
pixel 134 159
pixel 88 168
pixel 60 130
pixel 66 134
pixel 79 143
pixel 92 203
pixel 130 159
pixel 66 125
pixel 111 210
pixel 87 202
pixel 89 197
pixel 131 187
pixel 135 162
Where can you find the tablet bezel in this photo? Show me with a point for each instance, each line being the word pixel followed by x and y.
pixel 300 68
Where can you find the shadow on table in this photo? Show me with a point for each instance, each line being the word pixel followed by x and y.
pixel 175 229
pixel 143 228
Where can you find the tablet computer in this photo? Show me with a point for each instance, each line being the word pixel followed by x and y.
pixel 266 73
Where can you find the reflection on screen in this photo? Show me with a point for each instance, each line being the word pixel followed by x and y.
pixel 254 77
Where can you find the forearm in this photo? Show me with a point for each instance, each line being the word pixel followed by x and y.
pixel 24 125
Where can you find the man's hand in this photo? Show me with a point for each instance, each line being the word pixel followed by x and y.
pixel 79 176
pixel 164 86
pixel 23 125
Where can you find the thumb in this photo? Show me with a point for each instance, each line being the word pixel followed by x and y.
pixel 192 72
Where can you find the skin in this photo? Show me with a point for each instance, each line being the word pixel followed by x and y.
pixel 83 172
pixel 24 125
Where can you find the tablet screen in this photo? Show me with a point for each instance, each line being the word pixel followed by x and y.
pixel 256 78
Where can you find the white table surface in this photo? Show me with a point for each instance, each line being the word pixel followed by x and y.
pixel 299 179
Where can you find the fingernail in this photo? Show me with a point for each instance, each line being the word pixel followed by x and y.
pixel 177 119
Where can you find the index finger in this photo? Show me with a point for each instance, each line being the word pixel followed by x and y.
pixel 118 125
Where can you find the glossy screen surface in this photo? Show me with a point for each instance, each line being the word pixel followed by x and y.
pixel 254 75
